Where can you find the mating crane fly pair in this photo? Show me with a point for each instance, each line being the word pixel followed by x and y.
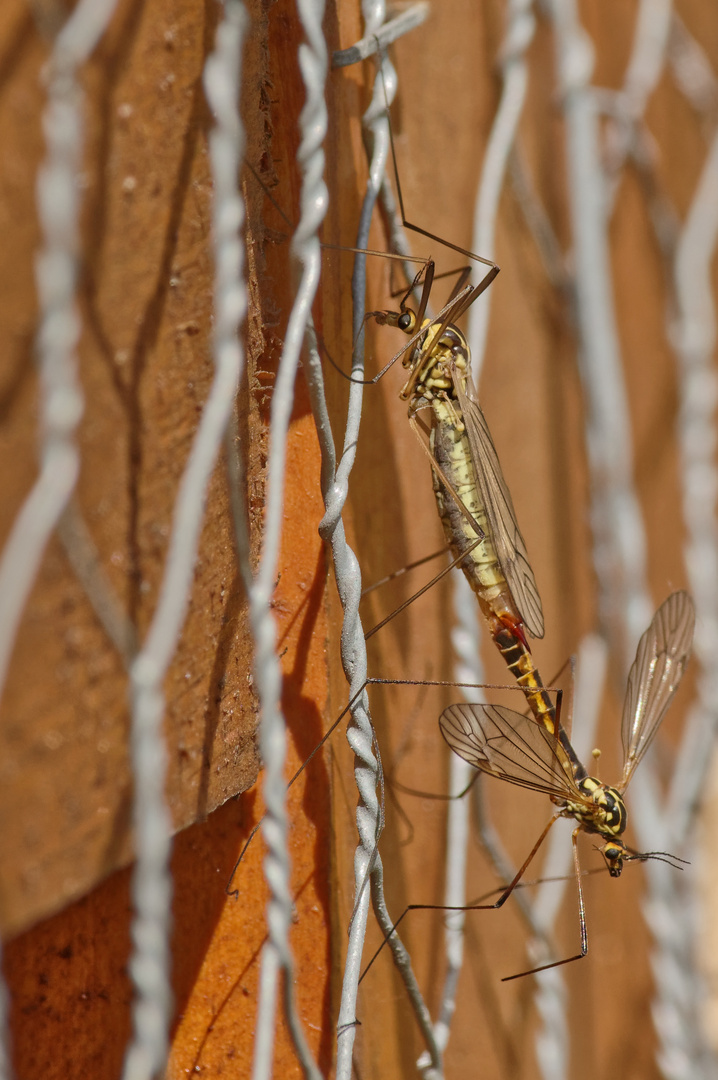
pixel 473 500
pixel 481 529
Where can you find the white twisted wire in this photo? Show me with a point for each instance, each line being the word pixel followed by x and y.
pixel 367 862
pixel 276 955
pixel 468 668
pixel 619 549
pixel 552 1039
pixel 61 404
pixel 151 884
pixel 679 986
pixel 348 578
pixel 619 540
pixel 61 401
pixel 521 25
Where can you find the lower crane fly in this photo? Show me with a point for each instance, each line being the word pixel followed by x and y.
pixel 512 747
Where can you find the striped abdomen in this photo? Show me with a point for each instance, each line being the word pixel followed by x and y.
pixel 451 451
pixel 521 665
pixel 480 563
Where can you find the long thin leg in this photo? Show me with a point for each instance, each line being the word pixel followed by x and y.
pixel 404 570
pixel 479 907
pixel 425 588
pixel 493 268
pixel 581 916
pixel 372 681
pixel 460 282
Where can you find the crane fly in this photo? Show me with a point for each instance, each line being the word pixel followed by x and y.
pixel 508 745
pixel 473 499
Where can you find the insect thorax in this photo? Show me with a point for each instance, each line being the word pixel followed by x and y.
pixel 607 816
pixel 439 354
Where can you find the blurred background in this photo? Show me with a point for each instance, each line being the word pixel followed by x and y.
pixel 161 503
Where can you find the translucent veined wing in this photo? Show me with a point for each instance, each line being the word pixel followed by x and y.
pixel 506 535
pixel 512 747
pixel 661 659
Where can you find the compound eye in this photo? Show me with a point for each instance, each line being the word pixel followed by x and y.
pixel 614 856
pixel 405 320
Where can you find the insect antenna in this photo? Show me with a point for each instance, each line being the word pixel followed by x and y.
pixel 447 312
pixel 659 856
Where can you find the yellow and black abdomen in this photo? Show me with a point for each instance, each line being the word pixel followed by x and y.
pixel 452 453
pixel 479 561
pixel 520 663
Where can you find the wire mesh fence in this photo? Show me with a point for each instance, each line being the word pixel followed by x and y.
pixel 169 533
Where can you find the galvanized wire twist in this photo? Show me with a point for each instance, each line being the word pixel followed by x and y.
pixel 552 1038
pixel 368 869
pixel 520 27
pixel 619 542
pixel 151 883
pixel 680 987
pixel 61 399
pixel 276 955
pixel 619 536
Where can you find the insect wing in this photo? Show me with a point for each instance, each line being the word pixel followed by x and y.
pixel 507 745
pixel 508 541
pixel 661 658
